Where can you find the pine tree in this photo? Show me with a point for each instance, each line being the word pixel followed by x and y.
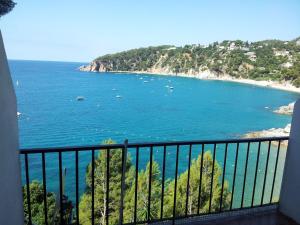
pixel 100 187
pixel 37 205
pixel 115 171
pixel 142 197
pixel 194 189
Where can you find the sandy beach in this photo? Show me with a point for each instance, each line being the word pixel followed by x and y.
pixel 207 75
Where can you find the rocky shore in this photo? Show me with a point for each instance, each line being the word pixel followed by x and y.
pixel 204 75
pixel 286 109
pixel 273 132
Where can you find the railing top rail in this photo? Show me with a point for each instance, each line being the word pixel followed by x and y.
pixel 148 144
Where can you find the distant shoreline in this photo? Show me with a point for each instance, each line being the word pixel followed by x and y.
pixel 273 132
pixel 207 75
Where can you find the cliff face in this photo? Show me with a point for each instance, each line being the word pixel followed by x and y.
pixel 263 60
pixel 96 66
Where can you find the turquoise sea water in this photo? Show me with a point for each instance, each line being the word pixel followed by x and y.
pixel 195 109
pixel 146 110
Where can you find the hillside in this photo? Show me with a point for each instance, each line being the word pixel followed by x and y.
pixel 263 60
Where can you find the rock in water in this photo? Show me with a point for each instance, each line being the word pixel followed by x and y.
pixel 273 132
pixel 286 109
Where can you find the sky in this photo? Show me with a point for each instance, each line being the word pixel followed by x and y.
pixel 79 31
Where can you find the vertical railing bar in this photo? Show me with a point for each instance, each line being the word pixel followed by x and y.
pixel 255 176
pixel 93 187
pixel 107 185
pixel 212 178
pixel 136 183
pixel 60 188
pixel 28 189
pixel 163 184
pixel 200 178
pixel 266 172
pixel 274 177
pixel 124 160
pixel 150 182
pixel 175 185
pixel 234 173
pixel 188 181
pixel 44 189
pixel 77 187
pixel 223 177
pixel 245 175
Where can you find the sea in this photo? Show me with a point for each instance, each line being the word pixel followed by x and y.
pixel 60 106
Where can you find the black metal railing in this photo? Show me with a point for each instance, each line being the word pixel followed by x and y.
pixel 238 174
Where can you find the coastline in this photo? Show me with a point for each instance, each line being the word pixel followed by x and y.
pixel 273 132
pixel 208 75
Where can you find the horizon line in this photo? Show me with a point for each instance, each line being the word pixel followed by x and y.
pixel 45 60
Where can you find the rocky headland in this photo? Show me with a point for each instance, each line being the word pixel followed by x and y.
pixel 285 109
pixel 269 63
pixel 273 132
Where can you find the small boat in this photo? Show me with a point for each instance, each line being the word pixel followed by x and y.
pixel 118 96
pixel 19 114
pixel 171 87
pixel 145 81
pixel 17 83
pixel 80 98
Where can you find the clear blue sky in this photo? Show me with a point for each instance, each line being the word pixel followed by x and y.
pixel 65 30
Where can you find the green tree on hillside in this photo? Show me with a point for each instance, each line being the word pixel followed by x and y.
pixel 194 189
pixel 115 171
pixel 262 60
pixel 143 188
pixel 142 197
pixel 37 205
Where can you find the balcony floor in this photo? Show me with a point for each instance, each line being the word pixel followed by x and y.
pixel 273 218
pixel 258 216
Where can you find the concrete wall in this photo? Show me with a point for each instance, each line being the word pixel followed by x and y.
pixel 290 190
pixel 11 202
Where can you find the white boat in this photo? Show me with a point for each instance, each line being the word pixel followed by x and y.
pixel 17 83
pixel 145 81
pixel 80 98
pixel 118 96
pixel 19 114
pixel 171 87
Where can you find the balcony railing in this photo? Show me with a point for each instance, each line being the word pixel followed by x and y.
pixel 123 183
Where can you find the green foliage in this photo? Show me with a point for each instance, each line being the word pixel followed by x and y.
pixel 262 60
pixel 142 197
pixel 194 189
pixel 6 6
pixel 37 204
pixel 115 171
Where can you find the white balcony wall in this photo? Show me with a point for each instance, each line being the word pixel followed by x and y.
pixel 11 202
pixel 290 191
